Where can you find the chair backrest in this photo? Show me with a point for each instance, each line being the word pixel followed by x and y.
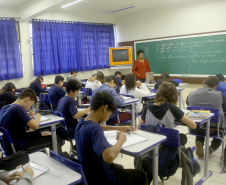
pixel 153 90
pixel 57 113
pixel 216 117
pixel 127 95
pixel 5 138
pixel 88 91
pixel 173 136
pixel 177 80
pixel 70 164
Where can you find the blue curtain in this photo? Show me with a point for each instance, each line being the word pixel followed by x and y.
pixel 59 47
pixel 10 60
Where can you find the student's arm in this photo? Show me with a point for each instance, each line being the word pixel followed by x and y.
pixel 112 152
pixel 142 122
pixel 118 101
pixel 34 123
pixel 126 129
pixel 189 122
pixel 61 92
pixel 81 113
pixel 40 89
pixel 142 92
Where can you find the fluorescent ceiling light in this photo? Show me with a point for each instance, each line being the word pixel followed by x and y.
pixel 69 4
pixel 123 8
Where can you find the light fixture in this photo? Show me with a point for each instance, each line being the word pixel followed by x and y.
pixel 69 4
pixel 123 8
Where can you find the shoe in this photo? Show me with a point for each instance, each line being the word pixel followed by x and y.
pixel 211 150
pixel 199 149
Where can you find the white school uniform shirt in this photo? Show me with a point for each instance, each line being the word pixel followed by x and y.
pixel 138 94
pixel 93 85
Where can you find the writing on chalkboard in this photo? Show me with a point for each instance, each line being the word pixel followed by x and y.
pixel 186 55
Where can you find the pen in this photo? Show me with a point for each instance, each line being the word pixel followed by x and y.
pixel 23 168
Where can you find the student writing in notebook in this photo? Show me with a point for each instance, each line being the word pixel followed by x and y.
pixel 15 119
pixel 94 151
pixel 130 88
pixel 56 92
pixel 67 106
pixel 36 86
pixel 164 110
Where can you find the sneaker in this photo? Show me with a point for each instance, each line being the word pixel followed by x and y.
pixel 211 150
pixel 199 149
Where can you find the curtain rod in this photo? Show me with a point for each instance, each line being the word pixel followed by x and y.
pixel 11 18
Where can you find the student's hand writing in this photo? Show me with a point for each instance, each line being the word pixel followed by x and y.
pixel 9 177
pixel 121 137
pixel 127 129
pixel 138 83
pixel 29 171
pixel 31 114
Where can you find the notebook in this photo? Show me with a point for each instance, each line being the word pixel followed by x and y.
pixel 132 138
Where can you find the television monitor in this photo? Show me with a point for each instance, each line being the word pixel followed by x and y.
pixel 120 56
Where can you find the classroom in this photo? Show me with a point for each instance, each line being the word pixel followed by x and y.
pixel 136 21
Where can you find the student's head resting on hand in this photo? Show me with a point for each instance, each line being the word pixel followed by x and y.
pixel 103 105
pixel 59 80
pixel 111 81
pixel 211 82
pixel 167 92
pixel 73 87
pixel 27 99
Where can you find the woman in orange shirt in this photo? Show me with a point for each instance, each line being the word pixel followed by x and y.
pixel 141 66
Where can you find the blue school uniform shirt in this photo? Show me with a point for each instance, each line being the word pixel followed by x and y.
pixel 67 106
pixel 55 94
pixel 90 143
pixel 14 118
pixel 222 87
pixel 36 87
pixel 119 81
pixel 104 87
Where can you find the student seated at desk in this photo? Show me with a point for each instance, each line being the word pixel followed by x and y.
pixel 164 110
pixel 23 178
pixel 130 88
pixel 67 106
pixel 15 119
pixel 207 96
pixel 96 81
pixel 164 77
pixel 36 86
pixel 7 94
pixel 56 92
pixel 118 76
pixel 73 75
pixel 222 84
pixel 96 154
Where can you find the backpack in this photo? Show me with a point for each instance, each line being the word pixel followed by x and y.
pixel 43 103
pixel 168 163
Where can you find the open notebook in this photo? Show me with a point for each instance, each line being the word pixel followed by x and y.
pixel 132 138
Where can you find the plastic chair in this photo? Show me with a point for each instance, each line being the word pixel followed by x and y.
pixel 6 139
pixel 70 164
pixel 177 80
pixel 69 139
pixel 215 119
pixel 173 136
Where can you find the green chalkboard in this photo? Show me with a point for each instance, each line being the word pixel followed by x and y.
pixel 186 55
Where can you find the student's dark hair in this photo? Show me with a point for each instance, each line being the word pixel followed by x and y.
pixel 167 92
pixel 130 81
pixel 73 85
pixel 117 73
pixel 74 71
pixel 211 81
pixel 110 78
pixel 38 79
pixel 165 77
pixel 220 77
pixel 59 78
pixel 9 86
pixel 140 51
pixel 28 93
pixel 100 77
pixel 102 99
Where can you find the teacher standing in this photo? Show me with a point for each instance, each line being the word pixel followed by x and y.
pixel 141 66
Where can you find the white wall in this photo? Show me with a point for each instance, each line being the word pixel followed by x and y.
pixel 26 51
pixel 186 17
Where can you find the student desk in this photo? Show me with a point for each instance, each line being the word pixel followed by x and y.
pixel 153 85
pixel 139 149
pixel 67 175
pixel 52 122
pixel 179 90
pixel 133 107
